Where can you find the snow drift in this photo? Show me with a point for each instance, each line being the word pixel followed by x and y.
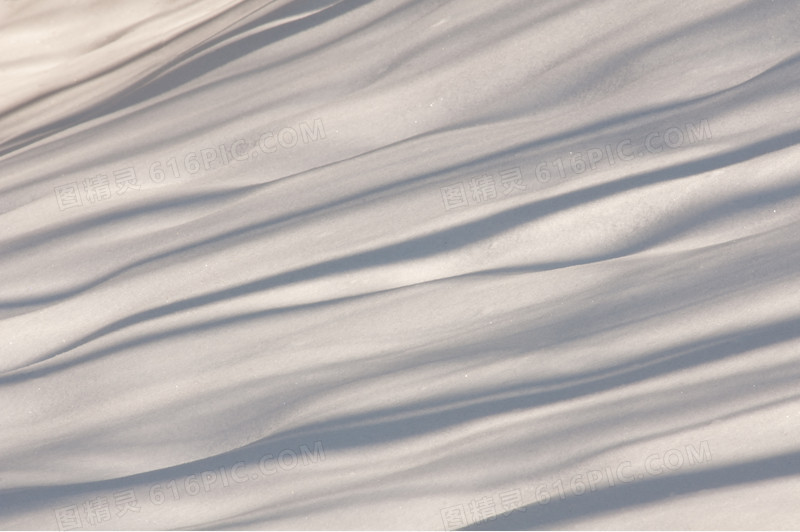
pixel 370 264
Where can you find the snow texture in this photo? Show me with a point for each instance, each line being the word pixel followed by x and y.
pixel 399 264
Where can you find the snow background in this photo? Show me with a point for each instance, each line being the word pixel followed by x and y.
pixel 317 314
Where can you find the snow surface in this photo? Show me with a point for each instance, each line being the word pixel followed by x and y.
pixel 362 303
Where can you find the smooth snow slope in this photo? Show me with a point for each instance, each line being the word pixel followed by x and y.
pixel 399 264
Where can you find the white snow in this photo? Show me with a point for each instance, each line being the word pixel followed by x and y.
pixel 346 286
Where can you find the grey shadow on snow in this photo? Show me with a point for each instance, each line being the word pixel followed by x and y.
pixel 231 237
pixel 388 424
pixel 394 423
pixel 188 66
pixel 643 492
pixel 447 239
